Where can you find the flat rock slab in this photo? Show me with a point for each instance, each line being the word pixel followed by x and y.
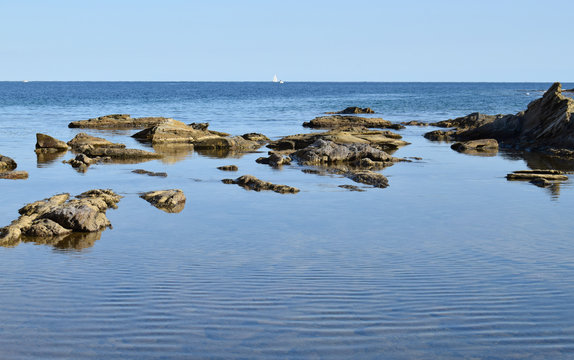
pixel 14 175
pixel 117 121
pixel 171 201
pixel 119 153
pixel 486 145
pixel 83 139
pixel 351 188
pixel 149 173
pixel 250 182
pixel 528 175
pixel 334 121
pixel 7 163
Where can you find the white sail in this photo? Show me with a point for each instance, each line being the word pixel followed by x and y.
pixel 275 78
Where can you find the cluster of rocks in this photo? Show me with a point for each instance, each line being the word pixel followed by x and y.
pixel 117 121
pixel 541 178
pixel 59 216
pixel 335 121
pixel 7 169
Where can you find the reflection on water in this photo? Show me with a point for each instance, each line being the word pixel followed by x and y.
pixel 44 158
pixel 173 153
pixel 475 152
pixel 225 153
pixel 72 241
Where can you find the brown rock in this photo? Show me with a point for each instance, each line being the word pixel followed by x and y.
pixel 250 182
pixel 149 173
pixel 537 174
pixel 44 141
pixel 228 168
pixel 354 110
pixel 327 152
pixel 275 160
pixel 7 164
pixel 118 121
pixel 335 121
pixel 83 139
pixel 14 175
pixel 369 177
pixel 351 188
pixel 171 201
pixel 486 145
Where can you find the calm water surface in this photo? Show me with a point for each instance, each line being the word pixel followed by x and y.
pixel 450 261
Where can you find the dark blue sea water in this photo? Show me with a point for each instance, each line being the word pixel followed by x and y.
pixel 450 261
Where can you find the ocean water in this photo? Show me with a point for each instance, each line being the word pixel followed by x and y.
pixel 450 261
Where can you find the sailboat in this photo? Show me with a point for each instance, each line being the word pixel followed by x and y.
pixel 275 78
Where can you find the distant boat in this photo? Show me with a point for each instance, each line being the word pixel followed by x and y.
pixel 25 81
pixel 281 82
pixel 275 78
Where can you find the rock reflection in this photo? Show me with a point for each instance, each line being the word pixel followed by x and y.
pixel 73 241
pixel 44 158
pixel 224 153
pixel 173 153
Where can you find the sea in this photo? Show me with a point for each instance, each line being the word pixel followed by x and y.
pixel 451 261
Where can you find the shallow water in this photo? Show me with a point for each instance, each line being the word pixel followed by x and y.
pixel 450 261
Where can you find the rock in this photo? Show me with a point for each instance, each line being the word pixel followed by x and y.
pixel 83 139
pixel 149 173
pixel 118 153
pixel 171 201
pixel 440 135
pixel 383 140
pixel 58 215
pixel 228 168
pixel 7 164
pixel 324 152
pixel 173 131
pixel 469 121
pixel 568 90
pixel 235 143
pixel 250 182
pixel 118 121
pixel 199 126
pixel 47 143
pixel 414 123
pixel 14 175
pixel 335 121
pixel 275 160
pixel 354 110
pixel 351 188
pixel 541 182
pixel 369 178
pixel 255 137
pixel 547 125
pixel 486 145
pixel 537 174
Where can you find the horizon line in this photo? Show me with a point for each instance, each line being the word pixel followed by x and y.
pixel 294 81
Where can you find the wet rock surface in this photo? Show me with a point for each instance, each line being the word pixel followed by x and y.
pixel 483 145
pixel 170 201
pixel 149 173
pixel 117 121
pixel 250 182
pixel 60 215
pixel 335 121
pixel 353 110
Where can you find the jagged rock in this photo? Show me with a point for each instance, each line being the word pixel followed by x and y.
pixel 171 201
pixel 118 121
pixel 83 139
pixel 47 143
pixel 469 121
pixel 323 152
pixel 353 110
pixel 149 173
pixel 250 182
pixel 546 125
pixel 335 121
pixel 414 123
pixel 369 178
pixel 199 126
pixel 485 145
pixel 7 164
pixel 537 174
pixel 228 168
pixel 59 215
pixel 381 139
pixel 275 160
pixel 14 175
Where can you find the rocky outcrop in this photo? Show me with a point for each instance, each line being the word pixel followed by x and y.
pixel 381 139
pixel 46 143
pixel 82 161
pixel 369 177
pixel 528 175
pixel 228 168
pixel 149 173
pixel 233 143
pixel 250 182
pixel 484 145
pixel 118 121
pixel 170 201
pixel 274 160
pixel 173 131
pixel 469 121
pixel 58 215
pixel 324 152
pixel 7 163
pixel 116 153
pixel 14 175
pixel 547 125
pixel 335 121
pixel 83 139
pixel 354 110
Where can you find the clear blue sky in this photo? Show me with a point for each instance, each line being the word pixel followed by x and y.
pixel 248 40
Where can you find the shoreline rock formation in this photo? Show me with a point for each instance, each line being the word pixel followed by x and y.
pixel 335 121
pixel 117 121
pixel 7 169
pixel 59 215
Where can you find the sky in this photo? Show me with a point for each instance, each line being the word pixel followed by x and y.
pixel 311 40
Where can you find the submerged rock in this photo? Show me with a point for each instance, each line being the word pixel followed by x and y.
pixel 483 145
pixel 335 121
pixel 58 215
pixel 14 175
pixel 351 188
pixel 369 178
pixel 7 163
pixel 46 143
pixel 170 201
pixel 149 173
pixel 119 153
pixel 354 110
pixel 228 168
pixel 117 121
pixel 250 182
